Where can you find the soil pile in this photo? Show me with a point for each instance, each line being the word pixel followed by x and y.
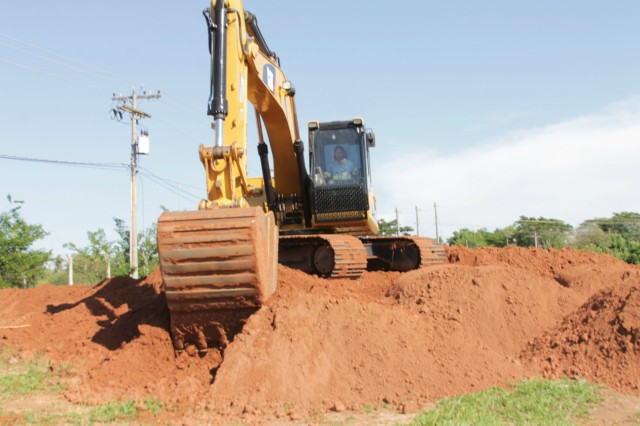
pixel 599 341
pixel 487 317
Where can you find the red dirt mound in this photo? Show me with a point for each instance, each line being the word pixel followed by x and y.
pixel 488 317
pixel 599 341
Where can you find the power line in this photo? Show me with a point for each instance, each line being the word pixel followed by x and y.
pixel 53 61
pixel 175 129
pixel 67 163
pixel 183 194
pixel 186 109
pixel 34 46
pixel 101 74
pixel 165 183
pixel 614 221
pixel 68 80
pixel 160 181
pixel 180 184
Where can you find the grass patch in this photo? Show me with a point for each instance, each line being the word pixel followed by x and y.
pixel 23 384
pixel 114 411
pixel 369 408
pixel 534 401
pixel 43 418
pixel 153 405
pixel 316 417
pixel 28 376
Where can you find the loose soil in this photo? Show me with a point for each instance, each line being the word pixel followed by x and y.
pixel 399 341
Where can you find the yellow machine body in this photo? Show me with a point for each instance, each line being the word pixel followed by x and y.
pixel 219 263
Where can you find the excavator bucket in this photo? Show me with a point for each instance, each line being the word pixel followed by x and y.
pixel 218 267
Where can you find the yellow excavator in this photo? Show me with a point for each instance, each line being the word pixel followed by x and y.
pixel 219 263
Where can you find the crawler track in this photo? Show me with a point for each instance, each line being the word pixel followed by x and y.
pixel 431 252
pixel 332 256
pixel 402 253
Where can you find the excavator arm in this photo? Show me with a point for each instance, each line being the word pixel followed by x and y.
pixel 244 70
pixel 219 263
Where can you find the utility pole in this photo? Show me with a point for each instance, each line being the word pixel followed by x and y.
pixel 70 269
pixel 135 114
pixel 417 223
pixel 106 257
pixel 435 209
pixel 397 223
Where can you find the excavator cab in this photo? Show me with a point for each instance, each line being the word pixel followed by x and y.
pixel 340 170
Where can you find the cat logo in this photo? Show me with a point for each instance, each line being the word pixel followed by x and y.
pixel 269 77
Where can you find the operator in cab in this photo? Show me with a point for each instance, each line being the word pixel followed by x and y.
pixel 341 168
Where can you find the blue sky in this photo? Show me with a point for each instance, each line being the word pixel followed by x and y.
pixel 490 109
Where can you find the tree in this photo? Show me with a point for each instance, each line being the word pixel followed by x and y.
pixel 524 232
pixel 618 236
pixel 626 224
pixel 123 244
pixel 55 272
pixel 541 232
pixel 482 237
pixel 501 237
pixel 392 228
pixel 468 238
pixel 589 233
pixel 20 264
pixel 94 262
pixel 103 258
pixel 624 249
pixel 148 250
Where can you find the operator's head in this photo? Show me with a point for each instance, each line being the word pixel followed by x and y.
pixel 339 153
